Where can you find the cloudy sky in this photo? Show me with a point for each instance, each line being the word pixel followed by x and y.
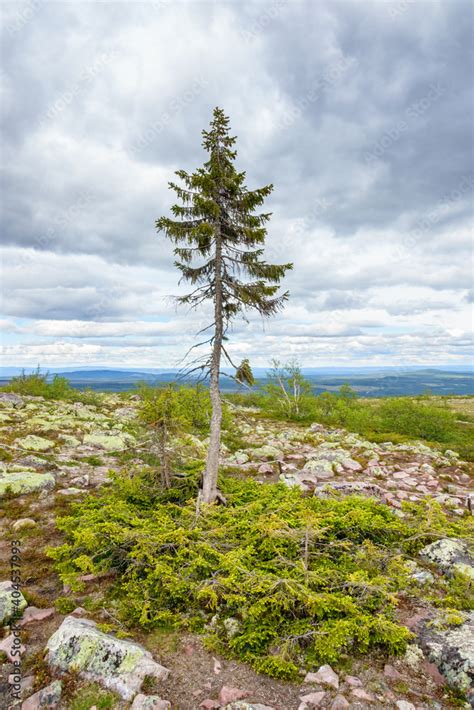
pixel 360 113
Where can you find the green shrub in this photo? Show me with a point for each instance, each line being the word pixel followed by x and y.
pixel 287 392
pixel 274 578
pixel 181 408
pixel 417 419
pixel 65 605
pixel 38 384
pixel 93 695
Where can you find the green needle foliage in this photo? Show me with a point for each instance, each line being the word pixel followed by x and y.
pixel 170 412
pixel 280 580
pixel 244 374
pixel 219 243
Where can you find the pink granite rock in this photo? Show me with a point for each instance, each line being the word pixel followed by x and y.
pixel 312 700
pixel 31 614
pixel 361 694
pixel 325 676
pixel 231 695
pixel 48 697
pixel 12 647
pixel 391 672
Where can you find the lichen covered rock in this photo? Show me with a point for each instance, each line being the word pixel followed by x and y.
pixel 452 650
pixel 10 399
pixel 12 602
pixel 34 443
pixel 48 697
pixel 20 482
pixel 450 555
pixel 109 442
pixel 149 702
pixel 267 452
pixel 119 665
pixel 320 468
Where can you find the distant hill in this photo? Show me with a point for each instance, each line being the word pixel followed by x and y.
pixel 367 382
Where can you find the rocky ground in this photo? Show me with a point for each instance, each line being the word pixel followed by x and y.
pixel 55 452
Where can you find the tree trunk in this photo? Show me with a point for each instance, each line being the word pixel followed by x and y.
pixel 164 468
pixel 209 484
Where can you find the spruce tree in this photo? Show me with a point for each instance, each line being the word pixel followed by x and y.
pixel 219 248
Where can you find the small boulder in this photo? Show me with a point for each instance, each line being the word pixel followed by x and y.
pixel 391 672
pixel 404 705
pixel 119 665
pixel 451 650
pixel 34 443
pixel 23 524
pixel 21 482
pixel 33 614
pixel 240 457
pixel 34 462
pixel 340 703
pixel 12 602
pixel 322 470
pixel 80 481
pixel 313 700
pixel 353 681
pixel 70 491
pixel 149 702
pixel 267 452
pixel 247 706
pixel 12 647
pixel 109 442
pixel 48 697
pixel 11 399
pixel 361 694
pixel 70 441
pixel 450 555
pixel 351 465
pixel 23 686
pixel 324 676
pixel 230 695
pixel 79 611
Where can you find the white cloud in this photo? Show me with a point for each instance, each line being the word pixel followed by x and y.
pixel 103 102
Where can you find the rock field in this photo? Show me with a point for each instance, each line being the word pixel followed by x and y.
pixel 56 452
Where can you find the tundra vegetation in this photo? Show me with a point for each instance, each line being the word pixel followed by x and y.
pixel 282 577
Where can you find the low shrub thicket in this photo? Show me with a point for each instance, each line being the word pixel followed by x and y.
pixel 38 384
pixel 277 579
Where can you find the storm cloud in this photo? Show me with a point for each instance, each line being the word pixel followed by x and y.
pixel 359 113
